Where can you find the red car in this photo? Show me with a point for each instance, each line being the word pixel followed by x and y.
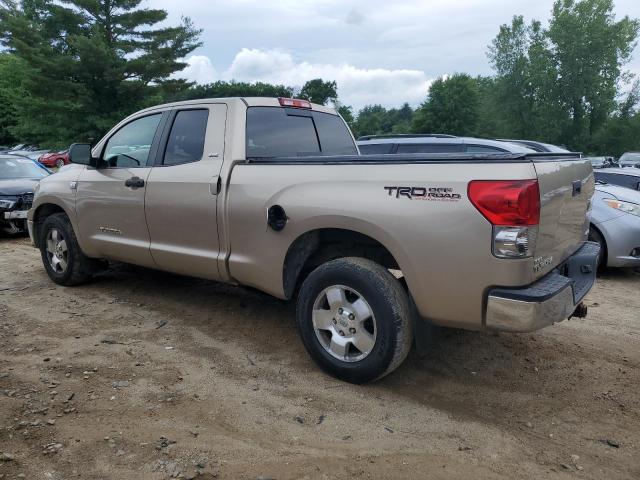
pixel 55 159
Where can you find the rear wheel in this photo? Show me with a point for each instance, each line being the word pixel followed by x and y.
pixel 596 236
pixel 59 163
pixel 354 318
pixel 61 255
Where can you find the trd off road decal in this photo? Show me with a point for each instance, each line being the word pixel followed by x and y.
pixel 434 194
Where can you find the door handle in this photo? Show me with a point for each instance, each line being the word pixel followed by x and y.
pixel 134 182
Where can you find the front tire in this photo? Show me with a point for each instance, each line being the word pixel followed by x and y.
pixel 355 319
pixel 61 255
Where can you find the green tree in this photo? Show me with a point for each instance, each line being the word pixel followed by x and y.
pixel 222 89
pixel 452 107
pixel 12 73
pixel 320 92
pixel 346 112
pixel 589 48
pixel 90 62
pixel 559 84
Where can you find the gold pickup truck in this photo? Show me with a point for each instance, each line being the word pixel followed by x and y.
pixel 273 194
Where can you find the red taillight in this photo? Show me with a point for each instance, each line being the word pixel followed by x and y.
pixel 507 202
pixel 294 102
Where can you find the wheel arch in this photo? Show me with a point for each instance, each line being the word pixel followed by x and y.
pixel 605 254
pixel 41 213
pixel 315 247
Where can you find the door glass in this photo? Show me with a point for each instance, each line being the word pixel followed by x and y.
pixel 186 140
pixel 429 148
pixel 484 149
pixel 129 147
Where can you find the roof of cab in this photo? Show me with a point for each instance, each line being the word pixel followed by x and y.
pixel 248 101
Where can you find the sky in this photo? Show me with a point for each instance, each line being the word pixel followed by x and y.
pixel 379 51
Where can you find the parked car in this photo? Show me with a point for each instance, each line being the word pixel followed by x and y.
pixel 615 225
pixel 434 143
pixel 55 159
pixel 624 177
pixel 630 159
pixel 537 146
pixel 601 162
pixel 272 194
pixel 32 154
pixel 18 178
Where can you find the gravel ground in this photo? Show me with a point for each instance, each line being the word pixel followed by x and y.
pixel 142 374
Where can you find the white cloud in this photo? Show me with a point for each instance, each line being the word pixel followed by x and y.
pixel 356 86
pixel 199 70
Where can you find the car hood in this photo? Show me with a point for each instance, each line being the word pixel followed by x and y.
pixel 17 186
pixel 620 193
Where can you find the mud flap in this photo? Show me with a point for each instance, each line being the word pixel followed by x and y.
pixel 425 334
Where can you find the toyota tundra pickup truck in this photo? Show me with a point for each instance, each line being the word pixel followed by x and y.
pixel 273 194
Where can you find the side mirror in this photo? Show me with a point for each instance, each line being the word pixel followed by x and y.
pixel 80 153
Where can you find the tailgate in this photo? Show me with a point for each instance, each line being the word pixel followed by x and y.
pixel 566 188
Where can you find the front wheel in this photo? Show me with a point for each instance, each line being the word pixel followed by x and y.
pixel 61 255
pixel 354 318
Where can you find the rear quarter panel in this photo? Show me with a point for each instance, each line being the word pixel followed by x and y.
pixel 443 247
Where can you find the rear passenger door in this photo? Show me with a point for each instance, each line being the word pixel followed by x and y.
pixel 182 192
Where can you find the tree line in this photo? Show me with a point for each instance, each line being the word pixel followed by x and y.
pixel 70 69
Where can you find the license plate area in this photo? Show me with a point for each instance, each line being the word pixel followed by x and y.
pixel 17 215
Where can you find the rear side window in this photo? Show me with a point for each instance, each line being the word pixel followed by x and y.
pixel 280 132
pixel 628 181
pixel 187 137
pixel 483 149
pixel 430 148
pixel 376 149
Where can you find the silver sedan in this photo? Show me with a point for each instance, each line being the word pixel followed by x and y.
pixel 615 224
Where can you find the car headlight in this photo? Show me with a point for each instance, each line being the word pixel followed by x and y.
pixel 7 204
pixel 626 207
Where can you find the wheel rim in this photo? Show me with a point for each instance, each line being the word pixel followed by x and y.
pixel 344 323
pixel 59 163
pixel 57 252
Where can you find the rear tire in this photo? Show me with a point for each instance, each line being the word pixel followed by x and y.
pixel 61 255
pixel 355 319
pixel 596 236
pixel 59 163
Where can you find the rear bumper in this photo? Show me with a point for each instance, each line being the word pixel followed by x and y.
pixel 552 299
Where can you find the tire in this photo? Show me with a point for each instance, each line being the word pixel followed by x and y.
pixel 596 236
pixel 61 255
pixel 355 319
pixel 59 163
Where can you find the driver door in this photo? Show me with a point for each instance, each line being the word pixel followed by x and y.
pixel 110 198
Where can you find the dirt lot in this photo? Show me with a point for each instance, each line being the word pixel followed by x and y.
pixel 148 375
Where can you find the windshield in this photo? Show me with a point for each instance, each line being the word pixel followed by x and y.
pixel 12 168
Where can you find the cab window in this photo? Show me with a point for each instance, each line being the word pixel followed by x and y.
pixel 430 148
pixel 483 149
pixel 129 147
pixel 187 137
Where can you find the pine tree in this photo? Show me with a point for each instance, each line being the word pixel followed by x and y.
pixel 90 63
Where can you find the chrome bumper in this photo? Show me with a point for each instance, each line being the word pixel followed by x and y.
pixel 550 300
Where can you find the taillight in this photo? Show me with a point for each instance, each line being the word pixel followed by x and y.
pixel 507 202
pixel 294 102
pixel 513 208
